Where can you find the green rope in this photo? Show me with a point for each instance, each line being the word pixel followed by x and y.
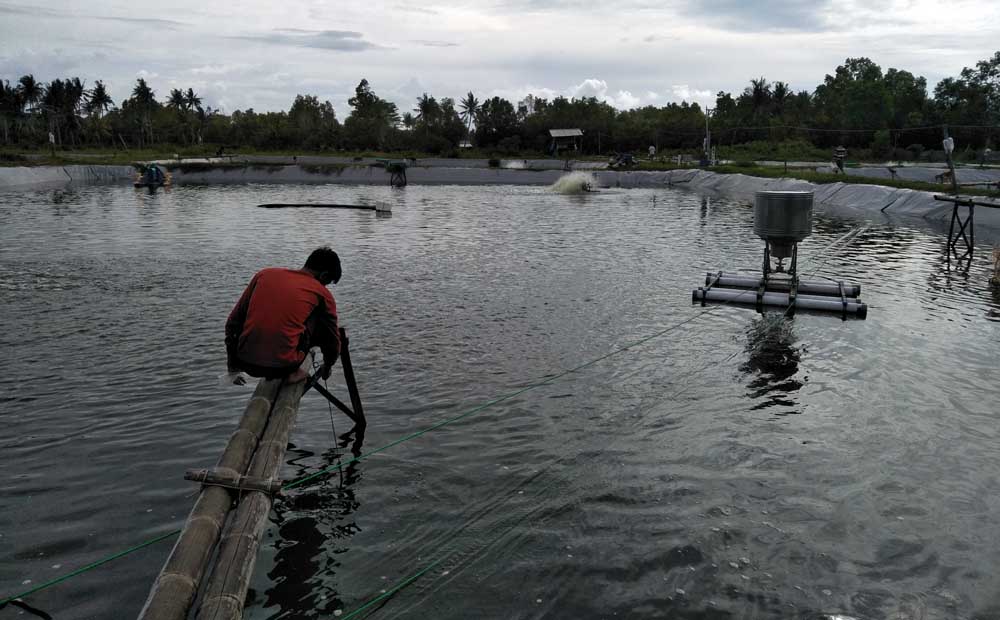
pixel 396 588
pixel 490 403
pixel 474 410
pixel 89 567
pixel 305 479
pixel 388 593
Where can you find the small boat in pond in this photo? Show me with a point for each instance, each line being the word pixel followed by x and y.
pixel 151 176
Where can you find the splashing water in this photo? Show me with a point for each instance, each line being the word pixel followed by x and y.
pixel 574 183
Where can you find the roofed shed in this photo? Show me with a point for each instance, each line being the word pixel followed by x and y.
pixel 565 139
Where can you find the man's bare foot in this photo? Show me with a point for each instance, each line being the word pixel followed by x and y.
pixel 298 376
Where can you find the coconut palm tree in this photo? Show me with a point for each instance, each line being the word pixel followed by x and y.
pixel 98 103
pixel 143 94
pixel 10 107
pixel 193 104
pixel 409 121
pixel 470 106
pixel 145 100
pixel 427 110
pixel 73 106
pixel 52 103
pixel 760 94
pixel 99 100
pixel 780 95
pixel 31 91
pixel 192 100
pixel 176 100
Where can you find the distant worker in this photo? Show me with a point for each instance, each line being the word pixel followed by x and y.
pixel 281 315
pixel 153 175
pixel 839 155
pixel 652 151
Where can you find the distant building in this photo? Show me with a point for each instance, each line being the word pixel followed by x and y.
pixel 564 139
pixel 465 144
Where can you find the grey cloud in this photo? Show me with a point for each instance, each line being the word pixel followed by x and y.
pixel 30 11
pixel 540 6
pixel 786 15
pixel 336 40
pixel 763 15
pixel 144 21
pixel 426 43
pixel 415 9
pixel 743 15
pixel 13 9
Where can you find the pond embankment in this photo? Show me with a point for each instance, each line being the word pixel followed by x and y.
pixel 34 177
pixel 851 199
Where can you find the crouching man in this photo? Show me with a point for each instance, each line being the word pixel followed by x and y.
pixel 281 315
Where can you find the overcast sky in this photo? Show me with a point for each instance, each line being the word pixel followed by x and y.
pixel 627 52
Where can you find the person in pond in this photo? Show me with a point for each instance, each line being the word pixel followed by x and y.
pixel 281 315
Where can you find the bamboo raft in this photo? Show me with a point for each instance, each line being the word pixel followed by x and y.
pixel 232 510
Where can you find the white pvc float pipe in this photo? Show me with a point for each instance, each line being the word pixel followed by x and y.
pixel 802 302
pixel 805 286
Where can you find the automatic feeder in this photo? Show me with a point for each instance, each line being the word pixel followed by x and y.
pixel 782 219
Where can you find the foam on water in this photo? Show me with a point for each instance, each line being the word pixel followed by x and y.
pixel 574 183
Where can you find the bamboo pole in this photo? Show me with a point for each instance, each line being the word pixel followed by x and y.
pixel 226 589
pixel 175 588
pixel 352 384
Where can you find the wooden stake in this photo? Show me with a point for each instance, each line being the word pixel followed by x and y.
pixel 174 590
pixel 352 384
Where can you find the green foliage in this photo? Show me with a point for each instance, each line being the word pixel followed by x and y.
pixel 785 150
pixel 859 105
pixel 495 121
pixel 881 145
pixel 372 120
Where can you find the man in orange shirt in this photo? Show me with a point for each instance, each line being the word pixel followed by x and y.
pixel 281 315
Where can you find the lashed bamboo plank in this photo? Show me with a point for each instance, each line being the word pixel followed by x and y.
pixel 175 588
pixel 227 585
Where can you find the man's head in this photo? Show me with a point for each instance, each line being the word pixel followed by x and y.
pixel 324 264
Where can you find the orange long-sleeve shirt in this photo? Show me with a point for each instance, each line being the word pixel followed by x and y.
pixel 280 315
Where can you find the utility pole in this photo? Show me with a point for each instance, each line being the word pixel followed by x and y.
pixel 708 136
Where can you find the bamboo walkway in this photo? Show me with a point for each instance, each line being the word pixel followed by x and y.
pixel 231 511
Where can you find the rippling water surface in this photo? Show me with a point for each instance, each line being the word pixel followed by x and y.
pixel 738 466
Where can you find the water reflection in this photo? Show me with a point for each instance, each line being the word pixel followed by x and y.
pixel 993 313
pixel 314 525
pixel 772 362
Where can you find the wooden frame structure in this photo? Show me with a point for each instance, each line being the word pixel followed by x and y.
pixel 234 503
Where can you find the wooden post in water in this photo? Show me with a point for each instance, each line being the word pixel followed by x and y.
pixel 352 384
pixel 175 589
pixel 226 589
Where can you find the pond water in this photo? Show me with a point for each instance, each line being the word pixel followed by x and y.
pixel 737 466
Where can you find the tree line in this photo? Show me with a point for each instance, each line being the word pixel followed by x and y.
pixel 859 106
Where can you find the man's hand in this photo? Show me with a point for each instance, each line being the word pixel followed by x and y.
pixel 325 371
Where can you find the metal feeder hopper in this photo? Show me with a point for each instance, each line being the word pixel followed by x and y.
pixel 782 219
